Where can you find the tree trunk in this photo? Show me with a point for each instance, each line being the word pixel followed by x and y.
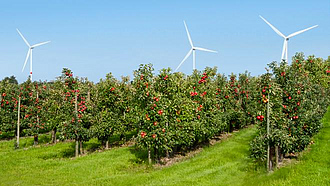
pixel 175 149
pixel 77 148
pixel 81 148
pixel 271 158
pixel 36 140
pixel 281 154
pixel 276 156
pixel 107 144
pixel 54 136
pixel 155 155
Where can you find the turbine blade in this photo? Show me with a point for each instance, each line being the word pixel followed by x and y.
pixel 275 29
pixel 301 31
pixel 39 44
pixel 23 37
pixel 204 49
pixel 184 59
pixel 26 59
pixel 190 41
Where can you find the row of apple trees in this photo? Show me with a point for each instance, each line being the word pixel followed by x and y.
pixel 298 98
pixel 176 112
pixel 170 112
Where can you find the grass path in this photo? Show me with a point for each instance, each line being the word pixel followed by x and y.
pixel 226 163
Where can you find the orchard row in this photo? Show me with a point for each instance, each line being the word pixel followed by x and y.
pixel 171 112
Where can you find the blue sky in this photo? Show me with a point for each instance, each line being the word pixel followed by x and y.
pixel 93 38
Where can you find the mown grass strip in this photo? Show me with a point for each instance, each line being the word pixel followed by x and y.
pixel 226 163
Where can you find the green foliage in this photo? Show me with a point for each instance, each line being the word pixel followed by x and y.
pixel 8 109
pixel 76 124
pixel 173 112
pixel 298 100
pixel 11 79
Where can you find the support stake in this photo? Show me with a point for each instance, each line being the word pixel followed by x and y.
pixel 268 129
pixel 149 156
pixel 18 120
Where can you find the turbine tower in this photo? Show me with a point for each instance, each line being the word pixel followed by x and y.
pixel 192 50
pixel 29 54
pixel 286 38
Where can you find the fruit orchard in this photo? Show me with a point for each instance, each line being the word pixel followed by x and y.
pixel 172 112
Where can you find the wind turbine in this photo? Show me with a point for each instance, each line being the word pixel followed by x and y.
pixel 286 38
pixel 192 50
pixel 29 54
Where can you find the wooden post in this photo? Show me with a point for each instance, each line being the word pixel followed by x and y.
pixel 18 120
pixel 38 122
pixel 76 113
pixel 88 96
pixel 149 156
pixel 54 131
pixel 76 104
pixel 268 129
pixel 268 132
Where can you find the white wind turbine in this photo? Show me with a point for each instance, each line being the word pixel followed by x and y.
pixel 29 54
pixel 192 50
pixel 286 38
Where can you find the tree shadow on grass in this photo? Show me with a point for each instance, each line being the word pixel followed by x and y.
pixel 140 154
pixel 68 152
pixel 46 138
pixel 26 142
pixel 88 147
pixel 92 145
pixel 65 152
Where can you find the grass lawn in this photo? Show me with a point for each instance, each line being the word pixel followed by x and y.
pixel 226 163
